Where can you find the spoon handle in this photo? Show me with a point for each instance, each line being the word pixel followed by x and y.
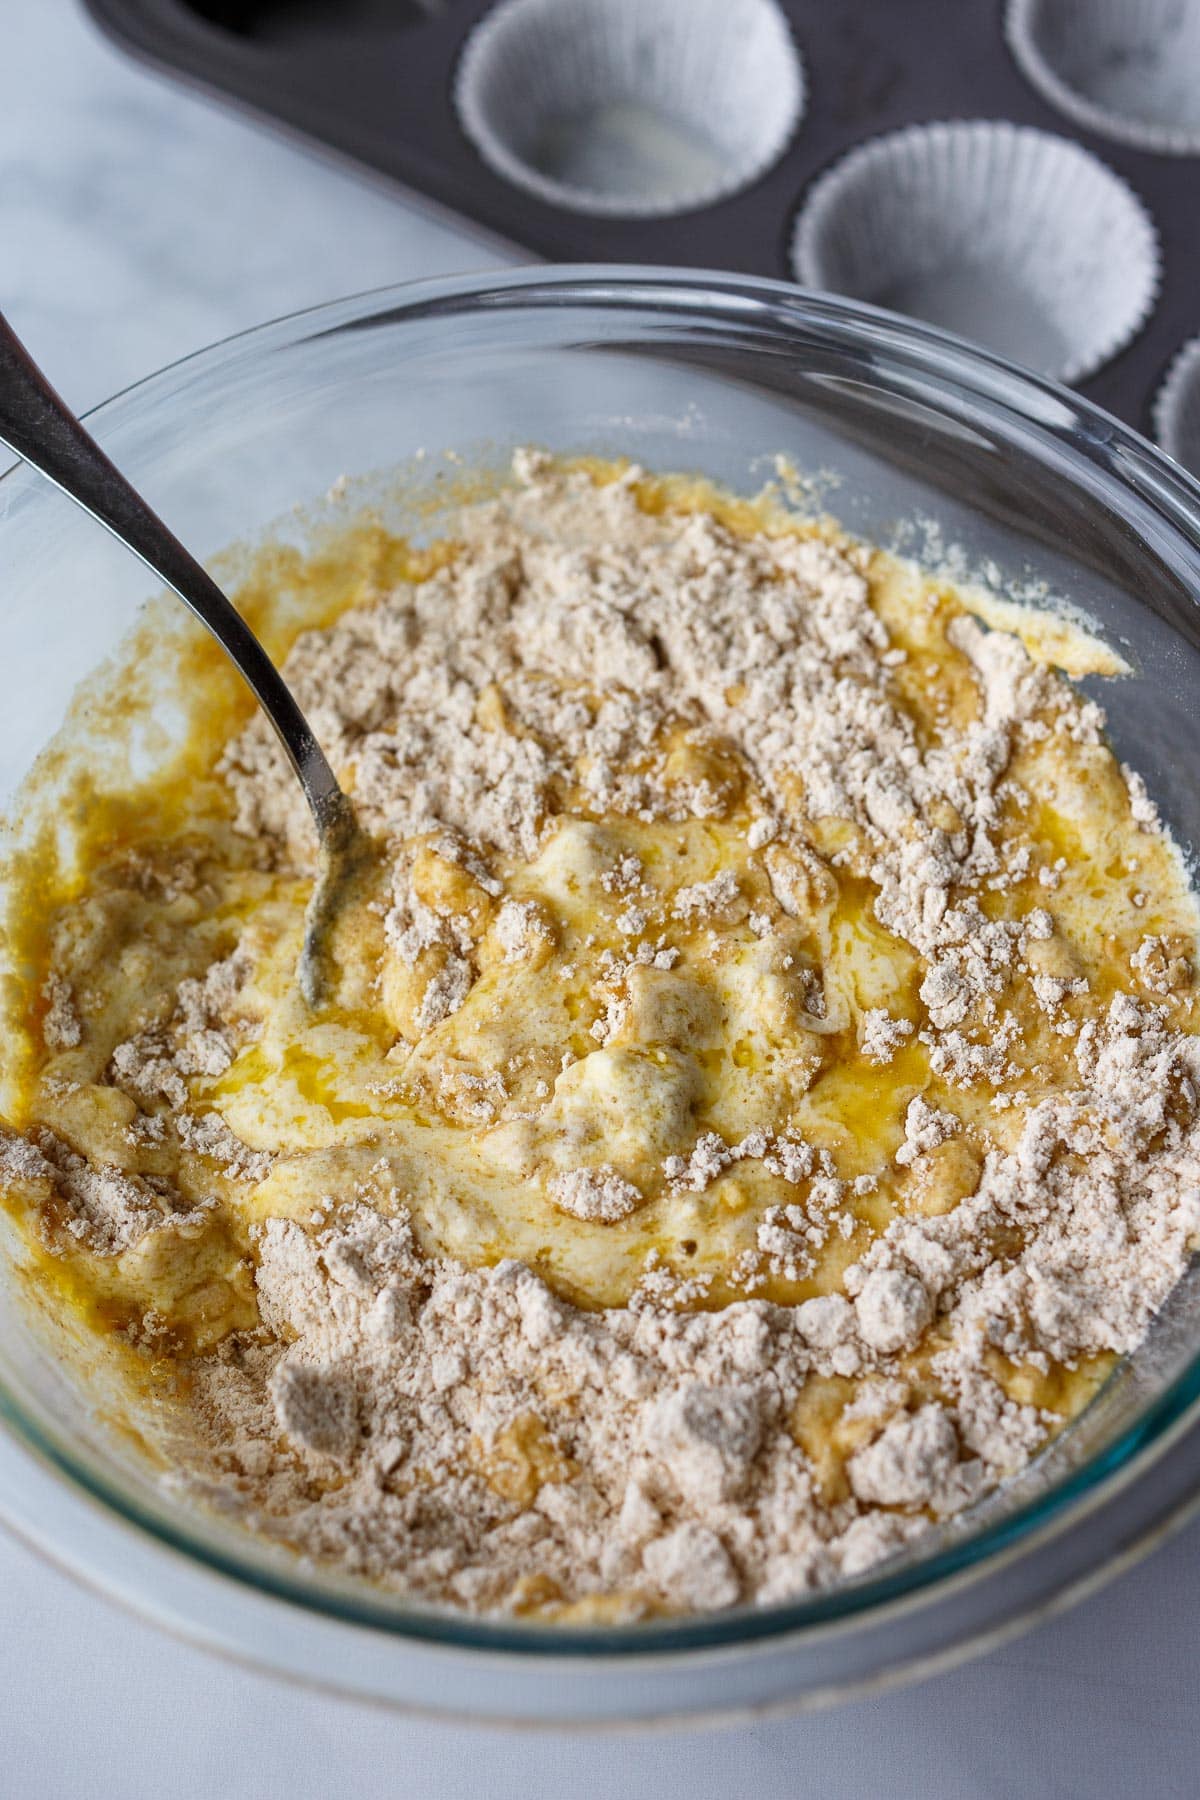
pixel 43 431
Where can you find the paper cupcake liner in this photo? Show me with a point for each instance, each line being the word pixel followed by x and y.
pixel 1176 411
pixel 631 107
pixel 1126 69
pixel 1020 240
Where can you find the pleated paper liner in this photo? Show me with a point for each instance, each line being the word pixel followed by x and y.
pixel 631 107
pixel 1126 69
pixel 1177 408
pixel 1016 238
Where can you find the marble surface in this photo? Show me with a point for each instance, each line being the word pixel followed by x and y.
pixel 138 222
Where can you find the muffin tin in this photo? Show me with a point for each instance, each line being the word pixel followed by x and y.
pixel 1024 173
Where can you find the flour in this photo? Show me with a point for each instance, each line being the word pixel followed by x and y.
pixel 61 1026
pixel 719 898
pixel 912 1462
pixel 664 1437
pixel 1161 965
pixel 208 1135
pixel 924 1129
pixel 595 1194
pixel 882 1035
pixel 104 1207
pixel 199 1037
pixel 466 1434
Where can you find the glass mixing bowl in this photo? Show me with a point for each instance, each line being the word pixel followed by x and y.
pixel 912 437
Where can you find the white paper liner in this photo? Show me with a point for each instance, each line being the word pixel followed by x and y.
pixel 1018 239
pixel 1126 69
pixel 631 107
pixel 1177 408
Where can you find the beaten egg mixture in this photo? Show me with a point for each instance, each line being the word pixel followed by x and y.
pixel 664 1038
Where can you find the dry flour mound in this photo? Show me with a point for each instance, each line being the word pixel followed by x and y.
pixel 479 1428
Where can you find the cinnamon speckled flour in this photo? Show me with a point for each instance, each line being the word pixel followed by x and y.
pixel 778 1099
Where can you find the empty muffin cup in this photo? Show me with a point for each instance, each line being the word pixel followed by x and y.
pixel 633 107
pixel 1018 239
pixel 1127 69
pixel 1177 408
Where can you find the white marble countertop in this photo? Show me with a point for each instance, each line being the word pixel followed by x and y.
pixel 138 222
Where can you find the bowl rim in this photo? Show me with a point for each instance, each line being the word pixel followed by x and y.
pixel 1165 492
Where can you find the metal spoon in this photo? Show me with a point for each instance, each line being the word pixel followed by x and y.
pixel 40 428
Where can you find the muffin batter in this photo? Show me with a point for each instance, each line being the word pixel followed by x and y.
pixel 755 1104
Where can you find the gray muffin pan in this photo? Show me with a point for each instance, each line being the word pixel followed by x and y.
pixel 384 82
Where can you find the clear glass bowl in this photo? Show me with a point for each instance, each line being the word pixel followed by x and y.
pixel 708 373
